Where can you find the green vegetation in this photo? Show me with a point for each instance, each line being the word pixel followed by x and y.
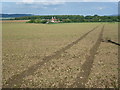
pixel 71 18
pixel 37 21
pixel 8 18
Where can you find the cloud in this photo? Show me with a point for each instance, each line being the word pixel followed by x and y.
pixel 76 0
pixel 100 8
pixel 55 9
pixel 99 1
pixel 58 1
pixel 51 3
pixel 42 2
pixel 28 1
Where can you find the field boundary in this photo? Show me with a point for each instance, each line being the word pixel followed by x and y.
pixel 82 77
pixel 16 80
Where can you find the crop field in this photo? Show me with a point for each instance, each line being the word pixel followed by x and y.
pixel 13 21
pixel 74 55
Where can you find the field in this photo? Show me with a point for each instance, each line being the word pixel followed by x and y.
pixel 74 55
pixel 13 21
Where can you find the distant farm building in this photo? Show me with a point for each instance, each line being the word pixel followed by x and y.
pixel 54 20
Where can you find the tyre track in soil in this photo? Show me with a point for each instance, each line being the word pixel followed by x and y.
pixel 82 77
pixel 17 80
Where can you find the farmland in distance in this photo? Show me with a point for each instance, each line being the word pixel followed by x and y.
pixel 60 55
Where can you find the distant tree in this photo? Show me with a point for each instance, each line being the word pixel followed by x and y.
pixel 31 21
pixel 95 15
pixel 67 21
pixel 37 20
pixel 71 18
pixel 43 21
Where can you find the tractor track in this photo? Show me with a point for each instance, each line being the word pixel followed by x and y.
pixel 82 77
pixel 17 80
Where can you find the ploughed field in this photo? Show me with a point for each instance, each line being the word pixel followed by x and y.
pixel 75 55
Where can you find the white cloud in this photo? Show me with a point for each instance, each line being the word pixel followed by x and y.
pixel 100 0
pixel 28 1
pixel 43 2
pixel 76 0
pixel 55 9
pixel 50 2
pixel 56 1
pixel 100 8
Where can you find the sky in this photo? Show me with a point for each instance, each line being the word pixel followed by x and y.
pixel 63 7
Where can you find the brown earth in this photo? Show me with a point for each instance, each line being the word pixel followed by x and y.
pixel 85 62
pixel 16 80
pixel 13 21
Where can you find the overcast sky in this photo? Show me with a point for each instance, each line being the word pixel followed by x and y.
pixel 57 7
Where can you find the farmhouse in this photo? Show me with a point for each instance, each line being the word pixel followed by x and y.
pixel 54 20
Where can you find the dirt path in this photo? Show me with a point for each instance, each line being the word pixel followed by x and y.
pixel 17 80
pixel 82 77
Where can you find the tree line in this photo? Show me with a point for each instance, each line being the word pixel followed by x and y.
pixel 71 18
